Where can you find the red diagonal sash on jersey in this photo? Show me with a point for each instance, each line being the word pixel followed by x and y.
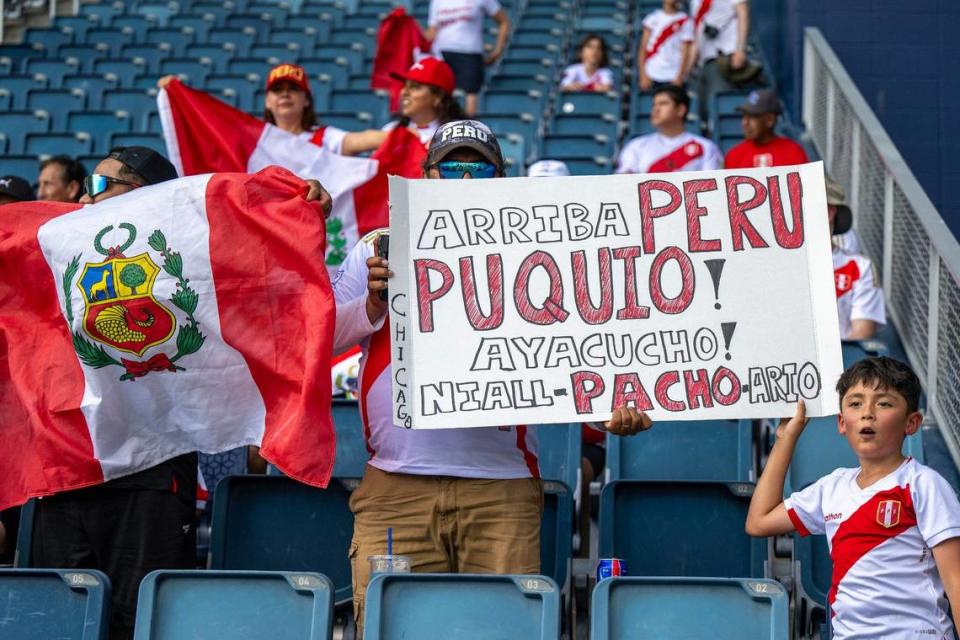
pixel 701 12
pixel 845 277
pixel 378 359
pixel 665 35
pixel 678 158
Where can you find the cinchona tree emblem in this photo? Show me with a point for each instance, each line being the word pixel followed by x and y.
pixel 121 312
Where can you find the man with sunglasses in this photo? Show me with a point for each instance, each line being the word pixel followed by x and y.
pixel 457 500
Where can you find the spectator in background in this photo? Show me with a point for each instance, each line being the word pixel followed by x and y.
pixel 61 179
pixel 426 100
pixel 456 29
pixel 458 500
pixel 672 147
pixel 860 303
pixel 666 49
pixel 721 28
pixel 15 189
pixel 548 169
pixel 591 73
pixel 289 105
pixel 762 147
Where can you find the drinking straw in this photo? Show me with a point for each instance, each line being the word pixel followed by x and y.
pixel 389 541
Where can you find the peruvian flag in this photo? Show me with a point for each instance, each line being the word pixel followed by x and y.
pixel 205 135
pixel 192 315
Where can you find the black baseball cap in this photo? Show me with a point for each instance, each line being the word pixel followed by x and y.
pixel 472 134
pixel 17 188
pixel 760 101
pixel 146 162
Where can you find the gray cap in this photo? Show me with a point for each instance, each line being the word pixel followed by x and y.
pixel 471 134
pixel 760 101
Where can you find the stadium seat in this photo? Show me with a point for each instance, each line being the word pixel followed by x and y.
pixel 279 13
pixel 350 37
pixel 150 140
pixel 590 103
pixel 192 71
pixel 522 82
pixel 717 608
pixel 241 605
pixel 17 124
pixel 351 457
pixel 260 24
pixel 555 37
pixel 103 13
pixel 137 102
pixel 541 22
pixel 157 12
pixel 51 144
pixel 273 523
pixel 53 70
pixel 512 102
pixel 217 11
pixel 525 125
pixel 704 450
pixel 588 166
pixel 353 55
pixel 19 87
pixel 528 68
pixel 113 38
pixel 514 150
pixel 58 103
pixel 178 39
pixel 18 165
pixel 77 26
pixel 560 448
pixel 148 56
pixel 606 124
pixel 199 23
pixel 84 54
pixel 305 38
pixel 347 120
pixel 14 55
pixel 124 70
pixel 244 86
pixel 100 126
pixel 461 607
pixel 216 56
pixel 376 103
pixel 276 53
pixel 137 24
pixel 51 39
pixel 361 22
pixel 680 529
pixel 6 100
pixel 38 604
pixel 573 145
pixel 523 51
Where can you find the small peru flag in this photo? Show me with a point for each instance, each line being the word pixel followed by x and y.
pixel 192 315
pixel 206 135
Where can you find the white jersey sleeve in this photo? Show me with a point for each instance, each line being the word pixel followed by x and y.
pixel 350 291
pixel 867 300
pixel 712 156
pixel 569 76
pixel 629 160
pixel 936 506
pixel 491 7
pixel 805 509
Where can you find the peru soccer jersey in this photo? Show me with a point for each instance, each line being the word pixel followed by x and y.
pixel 485 452
pixel 656 153
pixel 858 296
pixel 885 581
pixel 330 138
pixel 664 52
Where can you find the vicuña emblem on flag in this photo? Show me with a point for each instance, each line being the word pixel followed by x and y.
pixel 121 312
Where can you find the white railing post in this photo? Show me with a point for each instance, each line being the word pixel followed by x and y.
pixel 3 20
pixel 933 324
pixel 853 192
pixel 53 10
pixel 809 80
pixel 829 142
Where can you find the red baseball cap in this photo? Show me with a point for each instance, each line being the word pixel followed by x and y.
pixel 292 73
pixel 429 71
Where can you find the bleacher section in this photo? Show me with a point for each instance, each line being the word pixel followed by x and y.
pixel 88 81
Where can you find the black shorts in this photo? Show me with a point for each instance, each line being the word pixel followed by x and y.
pixel 467 69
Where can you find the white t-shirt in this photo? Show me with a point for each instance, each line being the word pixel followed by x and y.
pixel 722 15
pixel 487 452
pixel 330 138
pixel 849 241
pixel 668 33
pixel 459 24
pixel 885 580
pixel 656 153
pixel 858 296
pixel 577 73
pixel 425 133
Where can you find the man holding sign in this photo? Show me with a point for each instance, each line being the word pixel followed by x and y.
pixel 458 500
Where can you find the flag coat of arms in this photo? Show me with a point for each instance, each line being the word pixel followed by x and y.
pixel 193 315
pixel 204 134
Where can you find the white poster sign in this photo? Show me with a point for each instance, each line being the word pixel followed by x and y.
pixel 543 300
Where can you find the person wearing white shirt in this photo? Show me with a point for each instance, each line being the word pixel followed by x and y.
pixel 591 73
pixel 666 50
pixel 721 28
pixel 456 29
pixel 671 148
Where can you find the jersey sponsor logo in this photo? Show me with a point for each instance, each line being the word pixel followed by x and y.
pixel 845 277
pixel 832 516
pixel 888 513
pixel 763 160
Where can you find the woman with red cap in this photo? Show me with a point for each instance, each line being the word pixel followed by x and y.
pixel 289 105
pixel 426 100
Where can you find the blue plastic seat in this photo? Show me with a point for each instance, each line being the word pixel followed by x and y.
pixel 158 13
pixel 589 102
pixel 525 125
pixel 178 39
pixel 243 87
pixel 521 82
pixel 58 103
pixel 123 69
pixel 705 450
pixel 217 11
pixel 6 102
pixel 14 54
pixel 216 56
pixel 20 86
pixel 199 23
pixel 77 26
pixel 148 56
pixel 150 140
pixel 100 126
pixel 247 66
pixel 279 13
pixel 537 37
pixel 241 39
pixel 84 54
pixel 257 22
pixel 15 125
pixel 37 604
pixel 602 23
pixel 54 70
pixel 376 103
pixel 353 55
pixel 349 37
pixel 52 144
pixel 560 447
pixel 276 53
pixel 351 458
pixel 544 67
pixel 242 605
pixel 113 38
pixel 273 523
pixel 51 39
pixel 690 529
pixel 103 13
pixel 512 102
pixel 574 145
pixel 604 124
pixel 515 152
pixel 137 24
pixel 718 608
pixel 26 167
pixel 137 102
pixel 350 121
pixel 588 166
pixel 305 38
pixel 361 22
pixel 541 22
pixel 523 51
pixel 193 71
pixel 461 607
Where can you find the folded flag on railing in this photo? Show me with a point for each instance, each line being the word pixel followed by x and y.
pixel 204 134
pixel 192 315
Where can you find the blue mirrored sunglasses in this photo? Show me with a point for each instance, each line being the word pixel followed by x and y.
pixel 454 169
pixel 95 184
